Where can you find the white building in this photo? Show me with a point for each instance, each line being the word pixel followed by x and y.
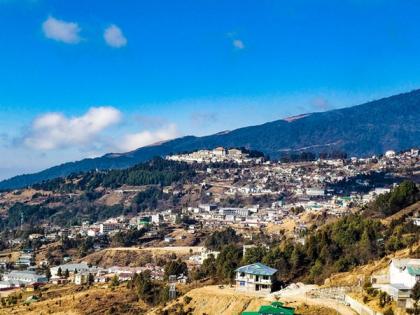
pixel 156 218
pixel 405 272
pixel 256 278
pixel 390 154
pixel 315 192
pixel 401 278
pixel 72 268
pixel 17 278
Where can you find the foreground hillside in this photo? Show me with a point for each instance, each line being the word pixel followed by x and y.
pixel 371 128
pixel 225 300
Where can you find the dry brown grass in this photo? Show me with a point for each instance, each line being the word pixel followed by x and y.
pixel 134 256
pixel 212 300
pixel 73 300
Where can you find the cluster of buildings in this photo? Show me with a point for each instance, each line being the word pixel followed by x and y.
pixel 77 273
pixel 219 154
pixel 82 273
pixel 17 279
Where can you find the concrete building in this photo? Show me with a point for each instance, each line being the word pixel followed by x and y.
pixel 108 227
pixel 72 268
pixel 255 278
pixel 401 278
pixel 219 151
pixel 21 278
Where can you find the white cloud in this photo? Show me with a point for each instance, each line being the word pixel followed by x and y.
pixel 238 44
pixel 62 31
pixel 54 130
pixel 114 37
pixel 134 141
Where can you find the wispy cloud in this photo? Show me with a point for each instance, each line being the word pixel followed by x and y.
pixel 134 141
pixel 62 31
pixel 114 37
pixel 198 119
pixel 54 130
pixel 238 44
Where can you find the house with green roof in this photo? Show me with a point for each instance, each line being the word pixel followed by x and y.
pixel 255 278
pixel 276 308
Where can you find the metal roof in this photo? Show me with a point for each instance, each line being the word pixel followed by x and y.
pixel 257 269
pixel 414 270
pixel 273 309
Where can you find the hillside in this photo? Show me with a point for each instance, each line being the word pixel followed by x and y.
pixel 132 256
pixel 370 128
pixel 215 300
pixel 73 300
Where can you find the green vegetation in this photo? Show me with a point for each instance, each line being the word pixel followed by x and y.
pixel 220 238
pixel 415 295
pixel 175 268
pixel 30 214
pixel 148 199
pixel 336 247
pixel 157 171
pixel 223 267
pixel 152 292
pixel 398 198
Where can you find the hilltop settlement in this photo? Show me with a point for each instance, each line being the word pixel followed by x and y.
pixel 308 230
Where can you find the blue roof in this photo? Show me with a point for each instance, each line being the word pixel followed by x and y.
pixel 257 269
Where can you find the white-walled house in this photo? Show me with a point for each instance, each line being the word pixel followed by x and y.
pixel 405 272
pixel 255 278
pixel 401 278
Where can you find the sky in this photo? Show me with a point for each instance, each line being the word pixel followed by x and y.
pixel 83 78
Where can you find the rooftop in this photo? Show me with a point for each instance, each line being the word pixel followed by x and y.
pixel 257 269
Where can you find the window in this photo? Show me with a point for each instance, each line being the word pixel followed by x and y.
pixel 242 274
pixel 266 277
pixel 242 283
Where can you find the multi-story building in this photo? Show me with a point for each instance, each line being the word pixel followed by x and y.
pixel 401 277
pixel 256 277
pixel 108 227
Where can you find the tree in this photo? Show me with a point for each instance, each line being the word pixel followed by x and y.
pixel 91 279
pixel 176 268
pixel 220 238
pixel 66 273
pixel 48 274
pixel 415 295
pixel 254 255
pixel 59 272
pixel 146 290
pixel 115 282
pixel 365 247
pixel 228 260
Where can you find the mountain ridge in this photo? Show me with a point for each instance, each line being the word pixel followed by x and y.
pixel 370 128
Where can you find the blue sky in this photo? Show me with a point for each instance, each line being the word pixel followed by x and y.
pixel 82 78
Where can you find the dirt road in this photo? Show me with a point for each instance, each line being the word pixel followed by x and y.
pixel 299 293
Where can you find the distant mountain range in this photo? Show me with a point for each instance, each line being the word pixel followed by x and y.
pixel 370 128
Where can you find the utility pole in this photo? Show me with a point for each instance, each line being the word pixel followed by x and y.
pixel 172 287
pixel 21 220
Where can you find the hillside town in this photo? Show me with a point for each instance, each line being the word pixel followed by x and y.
pixel 263 201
